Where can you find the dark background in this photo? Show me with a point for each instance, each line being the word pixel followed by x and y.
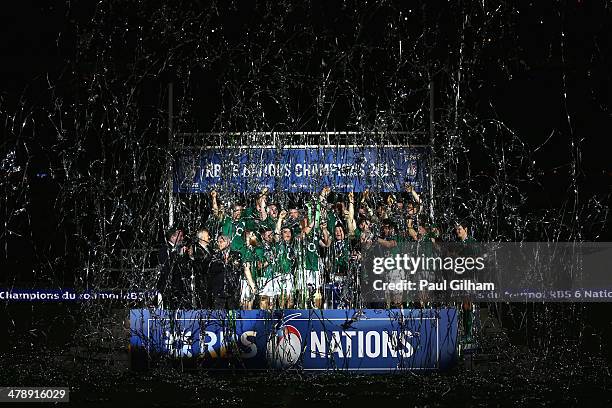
pixel 522 118
pixel 84 92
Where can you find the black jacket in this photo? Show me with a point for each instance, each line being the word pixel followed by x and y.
pixel 174 281
pixel 224 275
pixel 202 257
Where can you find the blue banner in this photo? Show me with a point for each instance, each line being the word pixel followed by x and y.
pixel 301 169
pixel 370 340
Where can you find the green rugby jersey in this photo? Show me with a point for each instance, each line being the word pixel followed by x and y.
pixel 235 231
pixel 310 250
pixel 285 258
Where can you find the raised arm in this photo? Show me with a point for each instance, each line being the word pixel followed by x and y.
pixel 364 203
pixel 279 224
pixel 415 196
pixel 350 217
pixel 261 204
pixel 366 200
pixel 306 228
pixel 323 205
pixel 323 196
pixel 215 206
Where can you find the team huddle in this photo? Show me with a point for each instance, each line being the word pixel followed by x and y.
pixel 307 255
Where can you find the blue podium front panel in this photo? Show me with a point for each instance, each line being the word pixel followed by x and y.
pixel 312 340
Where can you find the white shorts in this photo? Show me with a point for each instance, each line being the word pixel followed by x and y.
pixel 245 290
pixel 310 278
pixel 285 284
pixel 268 287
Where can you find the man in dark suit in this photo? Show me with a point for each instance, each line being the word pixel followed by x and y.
pixel 201 257
pixel 174 280
pixel 224 276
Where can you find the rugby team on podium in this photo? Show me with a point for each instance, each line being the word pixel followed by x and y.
pixel 304 256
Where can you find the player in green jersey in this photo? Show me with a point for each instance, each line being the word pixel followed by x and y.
pixel 268 213
pixel 340 214
pixel 424 238
pixel 251 254
pixel 268 284
pixel 313 236
pixel 285 262
pixel 386 246
pixel 231 226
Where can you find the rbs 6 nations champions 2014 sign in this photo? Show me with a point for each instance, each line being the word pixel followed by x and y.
pixel 370 340
pixel 294 169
